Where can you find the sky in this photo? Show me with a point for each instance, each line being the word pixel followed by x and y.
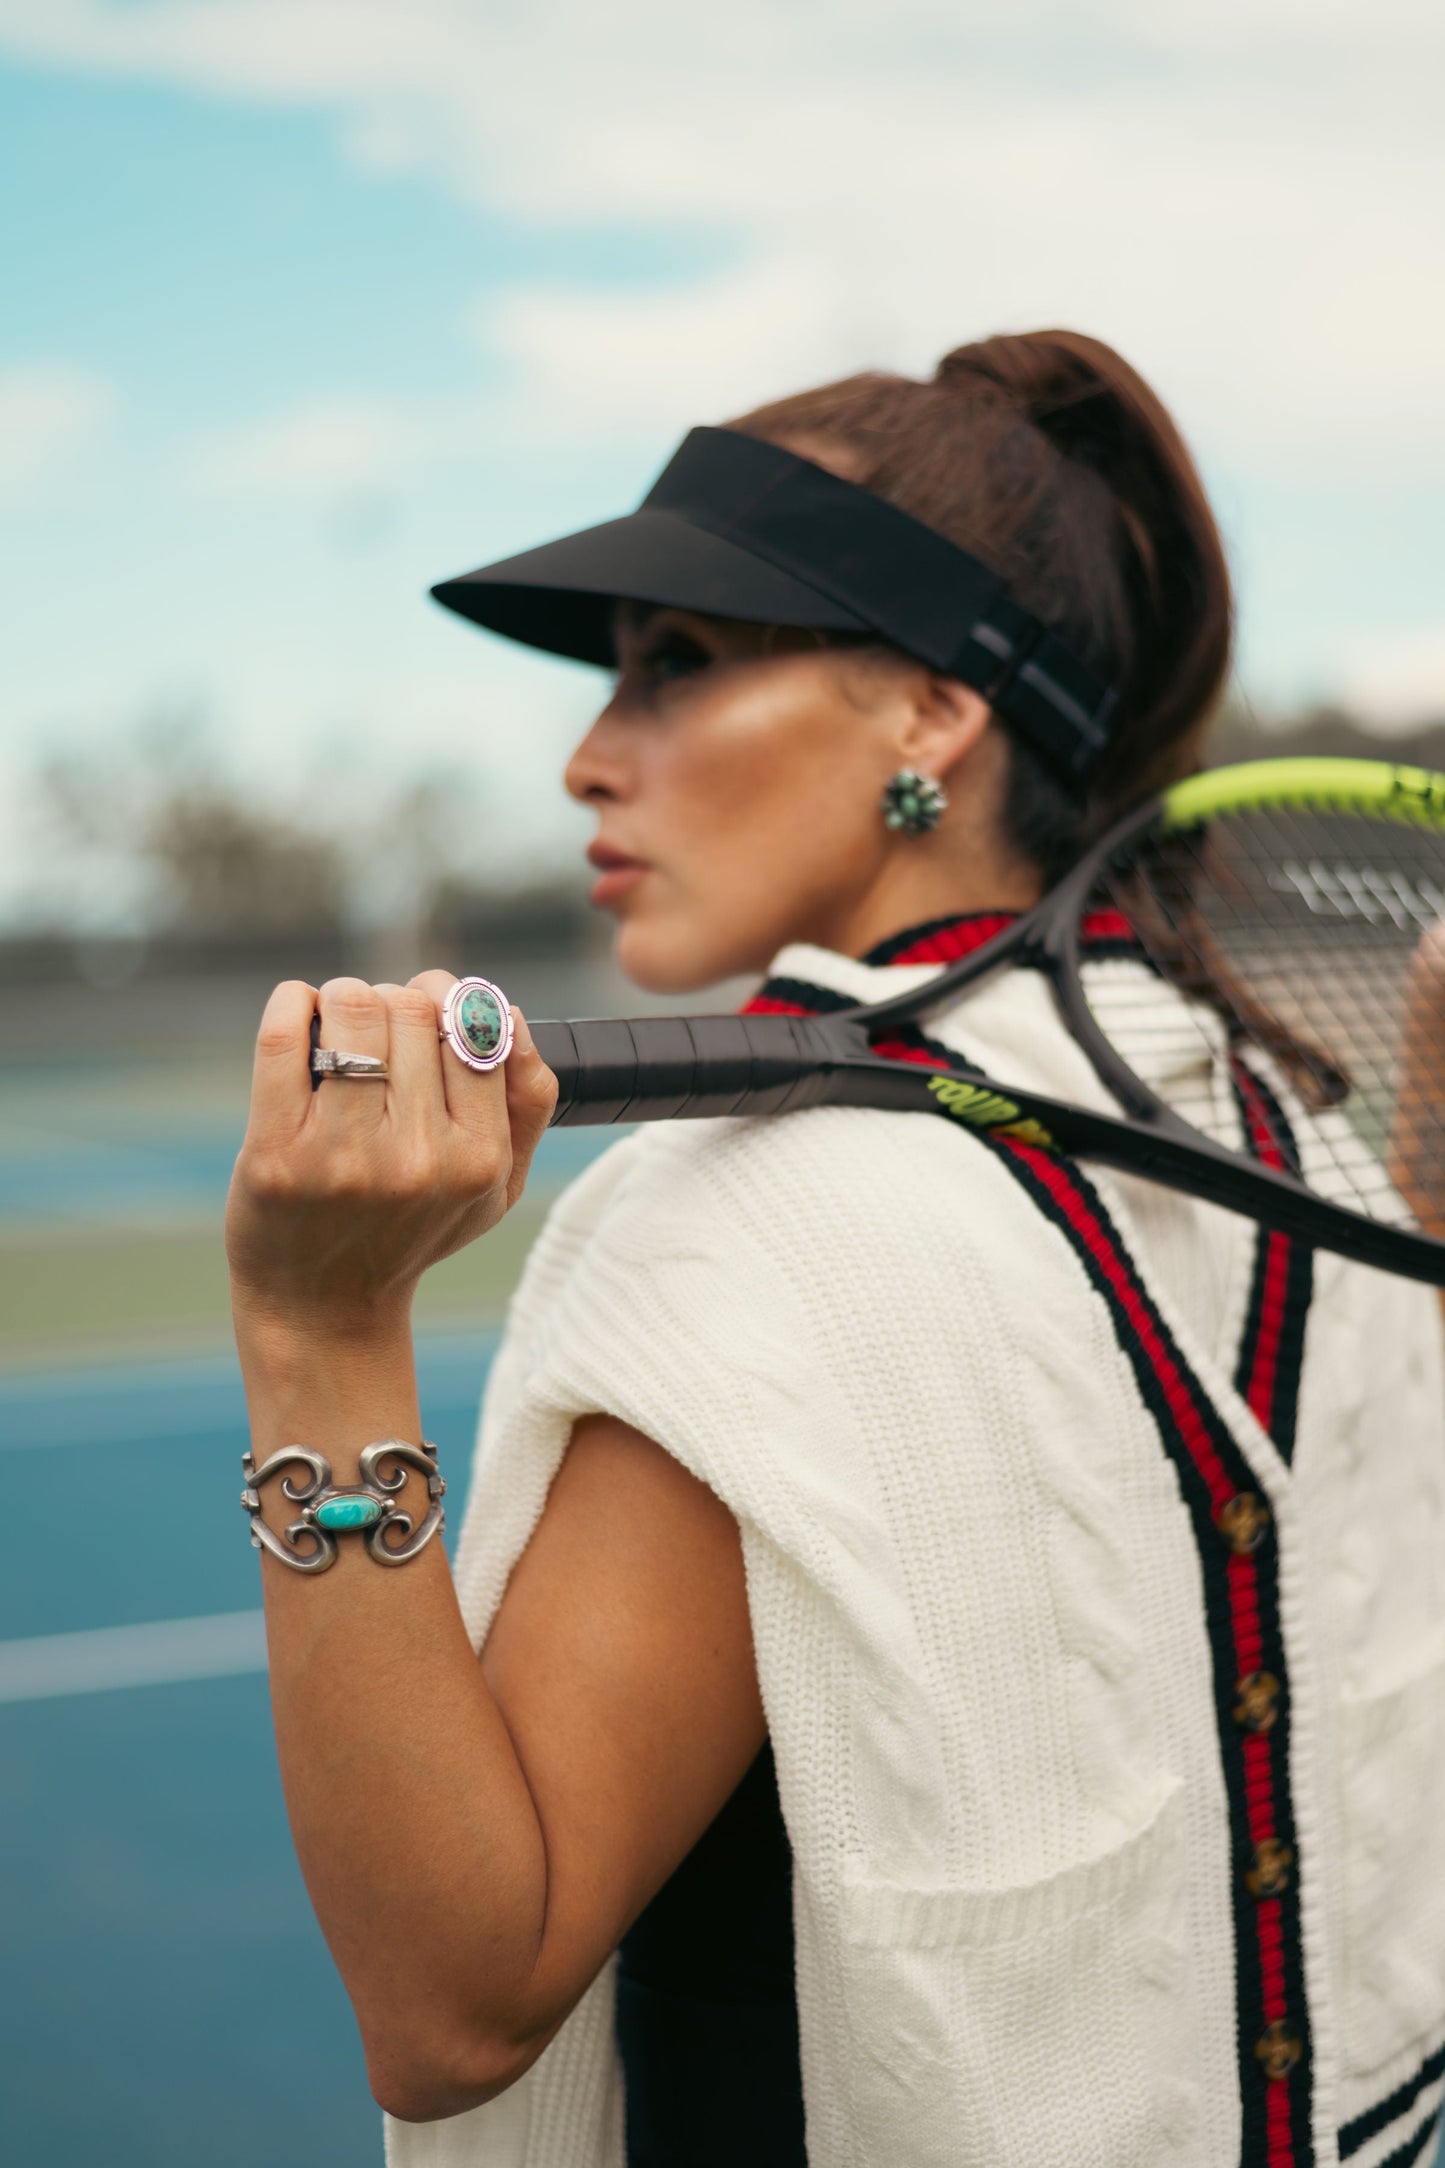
pixel 309 303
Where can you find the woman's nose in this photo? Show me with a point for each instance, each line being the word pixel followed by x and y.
pixel 597 768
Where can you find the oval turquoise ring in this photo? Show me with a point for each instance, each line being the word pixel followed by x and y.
pixel 477 1023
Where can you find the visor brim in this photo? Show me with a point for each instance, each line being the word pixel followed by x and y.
pixel 561 597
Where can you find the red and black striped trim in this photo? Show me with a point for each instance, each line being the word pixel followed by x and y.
pixel 942 940
pixel 1102 933
pixel 1271 1351
pixel 1374 2120
pixel 1416 2147
pixel 795 997
pixel 945 940
pixel 1235 1540
pixel 909 1042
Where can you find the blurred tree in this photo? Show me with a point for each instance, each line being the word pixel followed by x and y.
pixel 344 864
pixel 219 864
pixel 1241 732
pixel 229 866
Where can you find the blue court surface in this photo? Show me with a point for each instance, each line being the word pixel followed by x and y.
pixel 167 2000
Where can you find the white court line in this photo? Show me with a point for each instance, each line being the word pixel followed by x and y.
pixel 221 1646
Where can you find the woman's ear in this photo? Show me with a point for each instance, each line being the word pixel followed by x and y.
pixel 942 721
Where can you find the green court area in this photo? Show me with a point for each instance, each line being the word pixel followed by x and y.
pixel 113 1175
pixel 78 1294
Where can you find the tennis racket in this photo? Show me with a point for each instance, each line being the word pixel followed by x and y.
pixel 1278 950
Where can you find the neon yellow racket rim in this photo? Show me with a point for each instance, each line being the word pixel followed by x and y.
pixel 1376 788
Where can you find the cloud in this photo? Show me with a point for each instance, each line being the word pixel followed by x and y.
pixel 1244 195
pixel 585 365
pixel 572 366
pixel 331 448
pixel 49 413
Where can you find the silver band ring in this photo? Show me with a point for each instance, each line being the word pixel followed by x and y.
pixel 477 1023
pixel 331 1061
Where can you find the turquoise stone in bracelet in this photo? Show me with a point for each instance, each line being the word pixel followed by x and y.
pixel 349 1510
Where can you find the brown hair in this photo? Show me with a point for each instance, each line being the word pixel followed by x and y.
pixel 1044 454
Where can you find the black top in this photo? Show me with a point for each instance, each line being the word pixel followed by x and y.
pixel 707 2015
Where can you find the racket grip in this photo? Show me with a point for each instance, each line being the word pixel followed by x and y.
pixel 679 1068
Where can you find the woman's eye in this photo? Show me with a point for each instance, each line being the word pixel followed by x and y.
pixel 679 658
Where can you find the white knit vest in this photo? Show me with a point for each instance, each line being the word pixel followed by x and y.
pixel 988 1633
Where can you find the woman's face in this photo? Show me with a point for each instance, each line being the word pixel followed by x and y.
pixel 736 773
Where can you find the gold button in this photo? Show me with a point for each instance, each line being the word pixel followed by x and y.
pixel 1269 1876
pixel 1243 1521
pixel 1278 2049
pixel 1254 1701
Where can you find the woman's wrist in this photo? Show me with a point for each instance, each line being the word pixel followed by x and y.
pixel 330 1380
pixel 287 1336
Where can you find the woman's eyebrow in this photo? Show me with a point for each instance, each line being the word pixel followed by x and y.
pixel 674 624
pixel 635 619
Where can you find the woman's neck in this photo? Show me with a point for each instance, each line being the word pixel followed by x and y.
pixel 929 888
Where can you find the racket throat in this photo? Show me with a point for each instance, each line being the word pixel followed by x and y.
pixel 1139 1101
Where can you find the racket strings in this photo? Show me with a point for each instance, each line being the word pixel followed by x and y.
pixel 1163 900
pixel 1311 946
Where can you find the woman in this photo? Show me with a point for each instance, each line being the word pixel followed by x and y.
pixel 835 1461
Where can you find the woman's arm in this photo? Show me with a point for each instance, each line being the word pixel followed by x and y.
pixel 475 1837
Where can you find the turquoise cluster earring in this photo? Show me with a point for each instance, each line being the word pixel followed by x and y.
pixel 913 802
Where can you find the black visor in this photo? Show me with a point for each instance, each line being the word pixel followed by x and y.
pixel 735 527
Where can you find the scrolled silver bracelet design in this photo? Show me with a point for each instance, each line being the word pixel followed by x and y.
pixel 329 1509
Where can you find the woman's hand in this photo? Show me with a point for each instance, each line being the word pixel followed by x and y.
pixel 342 1197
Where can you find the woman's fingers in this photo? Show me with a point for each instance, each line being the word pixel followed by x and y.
pixel 476 1099
pixel 417 1096
pixel 341 1199
pixel 353 1021
pixel 506 1107
pixel 281 1080
pixel 531 1097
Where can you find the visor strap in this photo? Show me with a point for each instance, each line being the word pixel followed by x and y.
pixel 1037 685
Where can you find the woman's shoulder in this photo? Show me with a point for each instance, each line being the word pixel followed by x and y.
pixel 703 1177
pixel 736 1164
pixel 842 1195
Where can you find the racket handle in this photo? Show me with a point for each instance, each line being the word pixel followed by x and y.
pixel 671 1068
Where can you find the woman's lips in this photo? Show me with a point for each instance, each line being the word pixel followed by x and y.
pixel 618 874
pixel 615 882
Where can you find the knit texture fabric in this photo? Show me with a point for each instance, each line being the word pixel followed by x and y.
pixel 978 1607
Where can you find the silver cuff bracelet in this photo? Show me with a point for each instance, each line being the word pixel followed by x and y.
pixel 329 1509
